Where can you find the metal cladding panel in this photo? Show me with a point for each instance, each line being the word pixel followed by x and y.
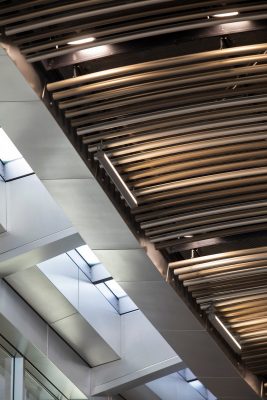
pixel 37 290
pixel 13 86
pixel 28 333
pixel 2 206
pixel 20 120
pixel 85 340
pixel 91 212
pixel 42 294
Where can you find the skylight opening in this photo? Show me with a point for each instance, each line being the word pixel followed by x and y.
pixel 88 255
pixel 103 281
pixel 116 289
pixel 193 381
pixel 8 151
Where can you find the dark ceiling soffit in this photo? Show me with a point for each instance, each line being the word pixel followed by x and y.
pixel 178 44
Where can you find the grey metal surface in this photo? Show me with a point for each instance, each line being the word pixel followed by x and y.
pixel 140 392
pixel 18 376
pixel 29 205
pixel 48 232
pixel 128 265
pixel 28 333
pixel 145 355
pixel 94 310
pixel 158 300
pixel 25 119
pixel 24 122
pixel 38 291
pixel 85 340
pixel 92 213
pixel 40 250
pixel 2 206
pixel 13 85
pixel 61 307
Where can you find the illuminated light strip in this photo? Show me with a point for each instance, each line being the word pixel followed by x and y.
pixel 227 14
pixel 115 176
pixel 228 333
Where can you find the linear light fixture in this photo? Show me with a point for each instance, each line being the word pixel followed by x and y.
pixel 227 331
pixel 116 178
pixel 82 41
pixel 226 14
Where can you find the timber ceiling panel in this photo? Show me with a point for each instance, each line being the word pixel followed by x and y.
pixel 186 134
pixel 234 286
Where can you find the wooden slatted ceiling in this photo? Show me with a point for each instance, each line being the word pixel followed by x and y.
pixel 235 286
pixel 43 28
pixel 186 134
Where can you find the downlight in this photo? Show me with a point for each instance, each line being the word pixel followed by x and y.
pixel 226 14
pixel 82 41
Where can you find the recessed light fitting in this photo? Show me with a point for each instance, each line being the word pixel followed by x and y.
pixel 82 41
pixel 226 14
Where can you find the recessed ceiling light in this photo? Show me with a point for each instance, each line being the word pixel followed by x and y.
pixel 82 41
pixel 226 14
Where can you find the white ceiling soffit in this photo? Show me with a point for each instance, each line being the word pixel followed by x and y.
pixel 96 219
